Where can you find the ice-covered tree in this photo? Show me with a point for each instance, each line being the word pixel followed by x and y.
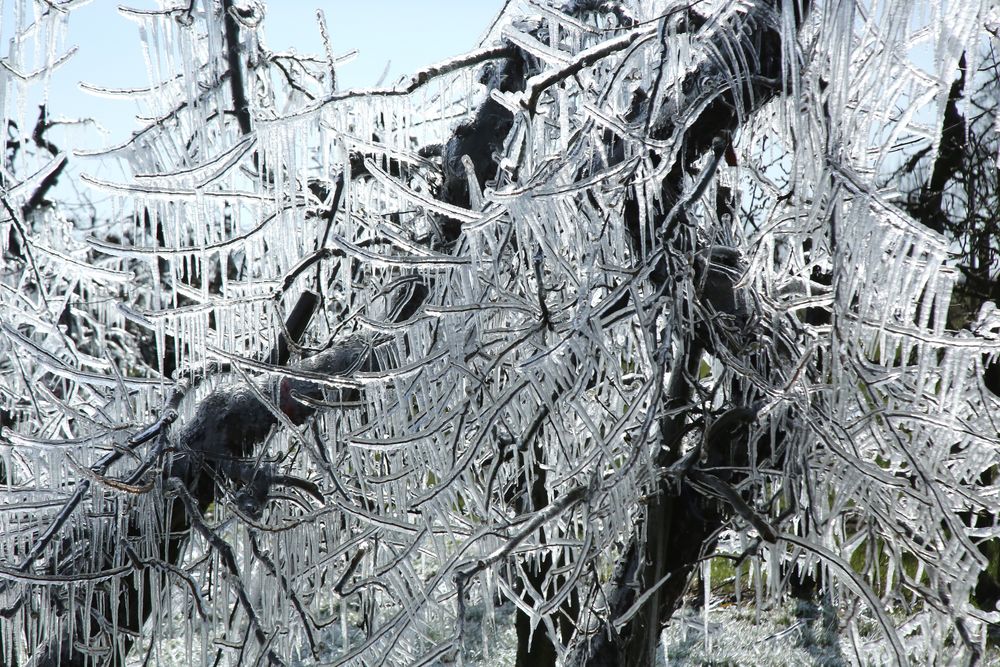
pixel 631 286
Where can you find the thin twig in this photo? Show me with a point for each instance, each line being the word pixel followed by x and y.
pixel 225 551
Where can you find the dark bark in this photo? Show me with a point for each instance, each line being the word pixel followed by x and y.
pixel 226 426
pixel 480 139
pixel 16 234
pixel 954 156
pixel 534 645
pixel 230 422
pixel 680 523
pixel 928 207
pixel 241 107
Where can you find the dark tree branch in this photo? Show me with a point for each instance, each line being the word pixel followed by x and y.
pixel 225 551
pixel 236 83
pixel 928 207
pixel 680 524
pixel 222 419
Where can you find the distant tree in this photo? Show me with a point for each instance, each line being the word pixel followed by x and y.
pixel 956 191
pixel 631 286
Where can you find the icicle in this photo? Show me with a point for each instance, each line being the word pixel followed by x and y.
pixel 706 601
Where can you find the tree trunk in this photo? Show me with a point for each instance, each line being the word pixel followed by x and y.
pixel 680 524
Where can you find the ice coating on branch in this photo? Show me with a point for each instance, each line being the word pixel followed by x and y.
pixel 622 254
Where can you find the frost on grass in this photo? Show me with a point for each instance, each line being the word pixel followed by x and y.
pixel 792 634
pixel 330 368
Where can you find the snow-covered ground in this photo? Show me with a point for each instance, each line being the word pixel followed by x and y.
pixel 797 634
pixel 789 634
pixel 794 634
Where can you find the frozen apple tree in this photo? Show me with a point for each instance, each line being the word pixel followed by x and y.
pixel 631 286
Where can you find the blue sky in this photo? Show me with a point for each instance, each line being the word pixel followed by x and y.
pixel 409 33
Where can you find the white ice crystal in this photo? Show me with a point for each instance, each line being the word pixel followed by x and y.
pixel 513 418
